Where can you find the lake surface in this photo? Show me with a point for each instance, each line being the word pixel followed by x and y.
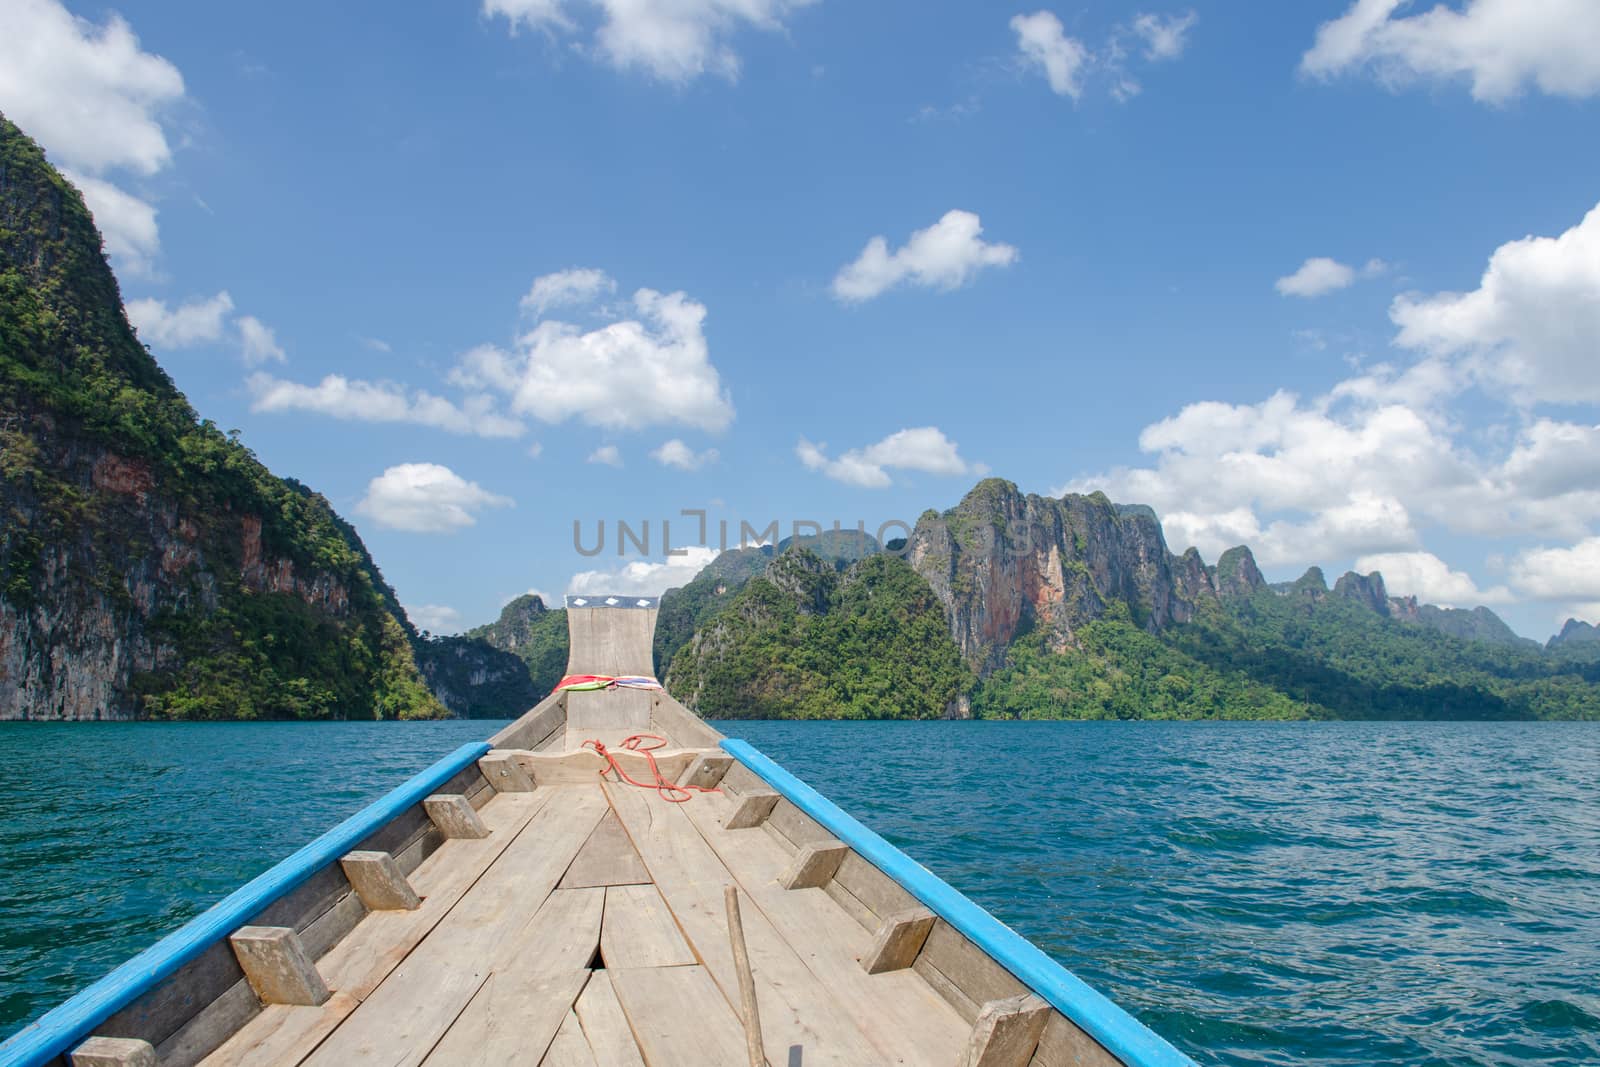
pixel 1259 893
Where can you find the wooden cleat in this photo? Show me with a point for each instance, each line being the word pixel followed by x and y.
pixel 276 964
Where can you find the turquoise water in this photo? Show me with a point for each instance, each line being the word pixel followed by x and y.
pixel 1335 894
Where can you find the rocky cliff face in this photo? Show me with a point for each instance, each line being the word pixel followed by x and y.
pixel 149 565
pixel 1003 563
pixel 534 634
pixel 1367 590
pixel 476 680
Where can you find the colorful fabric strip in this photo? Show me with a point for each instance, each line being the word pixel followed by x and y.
pixel 582 682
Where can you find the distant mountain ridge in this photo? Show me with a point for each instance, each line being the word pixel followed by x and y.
pixel 1075 606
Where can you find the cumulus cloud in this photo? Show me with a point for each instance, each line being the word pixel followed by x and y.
pixel 606 455
pixel 674 42
pixel 1044 44
pixel 200 321
pixel 1499 46
pixel 1430 579
pixel 675 453
pixel 579 285
pixel 1361 472
pixel 1320 275
pixel 435 618
pixel 258 342
pixel 363 401
pixel 126 223
pixel 1304 482
pixel 89 93
pixel 925 448
pixel 203 321
pixel 1533 323
pixel 426 498
pixel 1554 459
pixel 1165 37
pixel 94 99
pixel 644 577
pixel 1567 574
pixel 1316 277
pixel 650 370
pixel 946 255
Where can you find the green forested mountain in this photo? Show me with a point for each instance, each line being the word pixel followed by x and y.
pixel 1075 608
pixel 816 638
pixel 534 634
pixel 150 565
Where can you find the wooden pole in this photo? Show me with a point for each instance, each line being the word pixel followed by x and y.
pixel 747 980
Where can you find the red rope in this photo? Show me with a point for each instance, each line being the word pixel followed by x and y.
pixel 670 792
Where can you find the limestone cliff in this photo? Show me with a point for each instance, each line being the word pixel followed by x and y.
pixel 1003 563
pixel 534 634
pixel 149 564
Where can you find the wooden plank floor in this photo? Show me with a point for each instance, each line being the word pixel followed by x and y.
pixel 588 928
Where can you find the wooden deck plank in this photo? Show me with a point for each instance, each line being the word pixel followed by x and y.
pixel 906 1018
pixel 607 858
pixel 570 1048
pixel 639 931
pixel 512 1019
pixel 399 1023
pixel 286 1037
pixel 516 1013
pixel 285 1034
pixel 679 1017
pixel 796 1009
pixel 364 958
pixel 605 1026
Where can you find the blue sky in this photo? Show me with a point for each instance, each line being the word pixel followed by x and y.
pixel 1318 277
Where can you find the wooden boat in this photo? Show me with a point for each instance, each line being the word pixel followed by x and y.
pixel 522 902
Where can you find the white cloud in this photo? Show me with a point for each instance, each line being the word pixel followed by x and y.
pixel 643 578
pixel 946 255
pixel 376 344
pixel 579 285
pixel 1568 574
pixel 1553 459
pixel 435 618
pixel 126 223
pixel 1501 46
pixel 1316 277
pixel 1304 482
pixel 535 450
pixel 87 92
pixel 1165 37
pixel 607 455
pixel 1045 45
pixel 647 371
pixel 363 401
pixel 259 344
pixel 93 99
pixel 925 448
pixel 200 322
pixel 1430 579
pixel 194 323
pixel 675 453
pixel 426 498
pixel 673 41
pixel 1533 323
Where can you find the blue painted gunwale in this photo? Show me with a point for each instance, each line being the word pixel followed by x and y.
pixel 64 1027
pixel 1122 1035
